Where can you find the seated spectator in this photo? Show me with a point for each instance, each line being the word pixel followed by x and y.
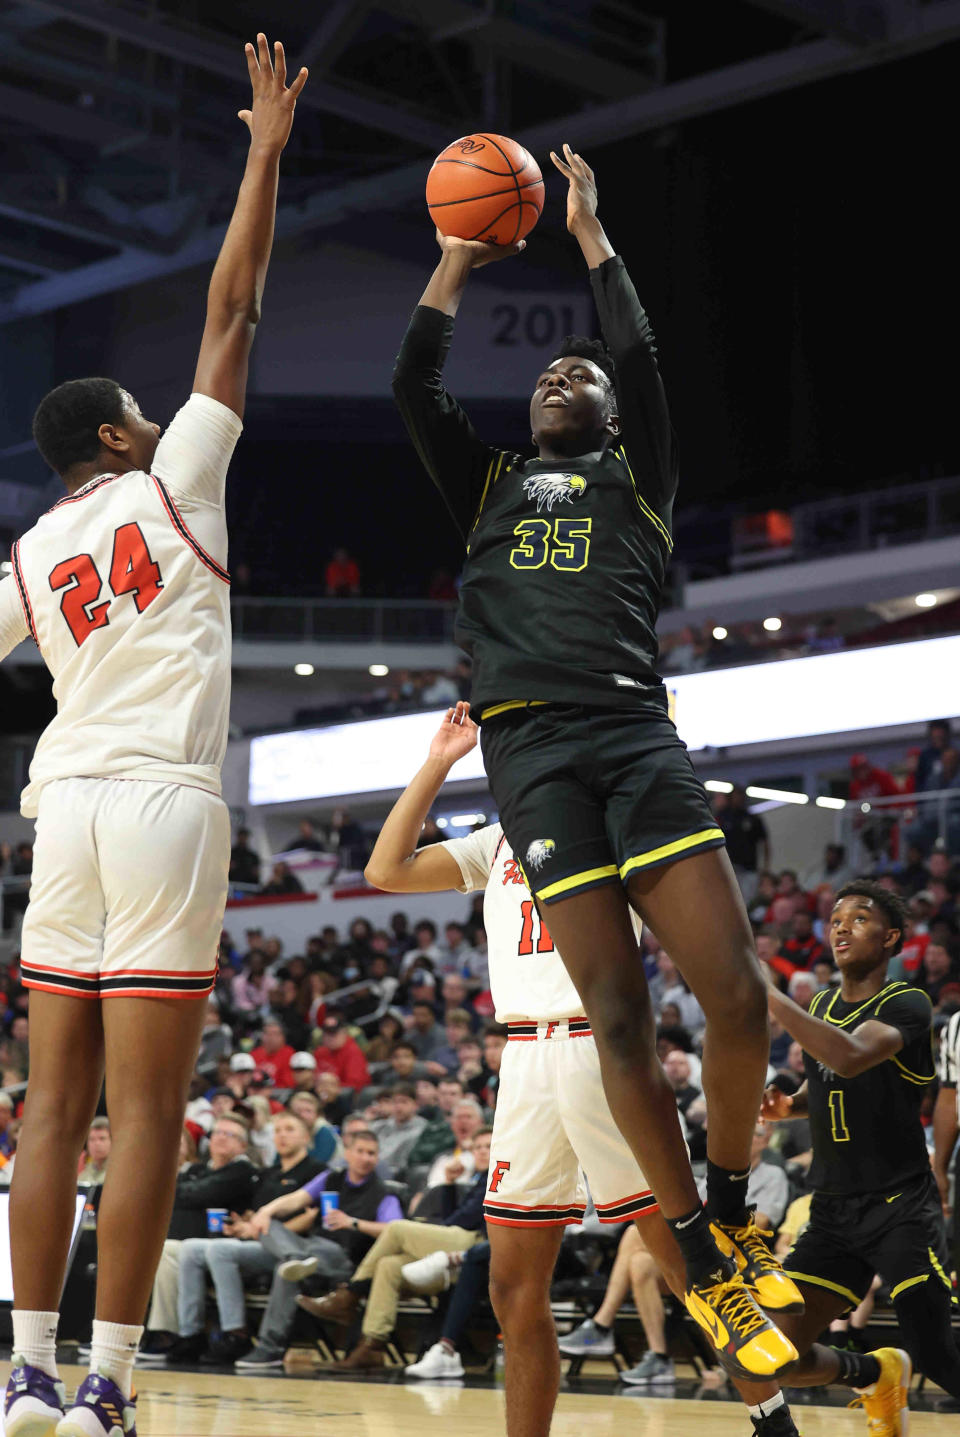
pixel 424 1256
pixel 93 1167
pixel 443 1359
pixel 244 862
pixel 676 1066
pixel 402 940
pixel 929 776
pixel 427 1099
pixel 364 1209
pixel 224 1181
pixel 250 989
pixel 341 1054
pixel 325 1143
pixel 238 1254
pixel 780 1041
pixel 454 994
pixel 404 1063
pixel 425 1034
pixel 457 1028
pixel 242 1073
pixel 216 1040
pixel 672 989
pixel 439 689
pixel 303 1068
pixel 272 1055
pixel 824 971
pixel 471 1069
pixel 794 1224
pixel 342 576
pixel 398 1134
pixel 380 1047
pixel 802 948
pixel 634 1270
pixel 906 964
pixel 677 1037
pixel 766 892
pixel 802 987
pixel 767 1189
pixel 936 971
pixel 346 839
pixel 455 950
pixel 335 1103
pixel 425 940
pixel 306 838
pixel 447 1145
pixel 282 881
pixel 831 871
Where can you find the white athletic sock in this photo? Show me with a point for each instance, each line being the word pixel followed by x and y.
pixel 35 1339
pixel 113 1350
pixel 767 1406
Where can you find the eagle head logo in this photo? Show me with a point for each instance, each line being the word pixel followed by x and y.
pixel 550 489
pixel 539 851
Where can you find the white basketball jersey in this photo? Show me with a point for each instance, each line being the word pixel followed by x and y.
pixel 125 590
pixel 527 976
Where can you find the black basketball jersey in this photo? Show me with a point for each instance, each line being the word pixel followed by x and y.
pixel 566 561
pixel 867 1134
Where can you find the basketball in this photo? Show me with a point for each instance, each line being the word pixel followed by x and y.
pixel 485 187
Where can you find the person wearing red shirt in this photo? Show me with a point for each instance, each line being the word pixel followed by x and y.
pixel 273 1055
pixel 342 1055
pixel 868 781
pixel 342 576
pixel 802 948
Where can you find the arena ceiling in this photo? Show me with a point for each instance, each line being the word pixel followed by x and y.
pixel 120 151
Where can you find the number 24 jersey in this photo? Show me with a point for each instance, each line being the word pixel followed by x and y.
pixel 527 975
pixel 123 585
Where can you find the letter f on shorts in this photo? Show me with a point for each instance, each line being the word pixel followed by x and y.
pixel 500 1171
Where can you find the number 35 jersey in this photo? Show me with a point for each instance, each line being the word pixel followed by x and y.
pixel 527 976
pixel 123 585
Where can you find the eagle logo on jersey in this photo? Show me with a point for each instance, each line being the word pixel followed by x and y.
pixel 550 489
pixel 539 851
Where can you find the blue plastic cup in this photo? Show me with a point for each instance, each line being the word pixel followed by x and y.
pixel 216 1218
pixel 328 1201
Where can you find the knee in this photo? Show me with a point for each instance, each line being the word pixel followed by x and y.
pixel 516 1300
pixel 193 1252
pixel 740 1002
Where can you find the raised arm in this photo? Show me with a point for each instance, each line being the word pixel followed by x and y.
pixel 846 1054
pixel 642 403
pixel 449 448
pixel 236 286
pixel 396 864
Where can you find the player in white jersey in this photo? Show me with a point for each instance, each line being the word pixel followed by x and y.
pixel 553 1122
pixel 124 587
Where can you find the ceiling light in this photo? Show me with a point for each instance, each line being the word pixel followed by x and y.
pixel 718 785
pixel 441 823
pixel 6 567
pixel 303 670
pixel 773 625
pixel 719 633
pixel 865 807
pixel 824 800
pixel 378 671
pixel 779 795
pixel 467 820
pixel 926 601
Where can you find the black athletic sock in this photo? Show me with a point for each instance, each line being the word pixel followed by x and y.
pixel 599 1326
pixel 727 1195
pixel 705 1265
pixel 857 1369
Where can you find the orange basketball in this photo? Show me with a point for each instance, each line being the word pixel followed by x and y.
pixel 485 187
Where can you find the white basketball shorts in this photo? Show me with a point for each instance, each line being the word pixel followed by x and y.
pixel 552 1125
pixel 128 890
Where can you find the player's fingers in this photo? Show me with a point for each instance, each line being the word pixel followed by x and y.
pixel 263 52
pixel 564 169
pixel 253 69
pixel 279 63
pixel 299 82
pixel 247 117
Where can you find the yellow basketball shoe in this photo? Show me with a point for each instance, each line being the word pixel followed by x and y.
pixel 747 1340
pixel 885 1403
pixel 758 1267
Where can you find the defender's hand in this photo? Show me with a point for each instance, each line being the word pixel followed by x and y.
pixel 474 252
pixel 582 194
pixel 777 1106
pixel 456 736
pixel 271 118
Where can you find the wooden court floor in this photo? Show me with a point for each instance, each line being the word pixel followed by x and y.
pixel 191 1404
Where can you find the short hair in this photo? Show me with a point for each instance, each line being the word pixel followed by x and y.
pixel 481 1131
pixel 426 923
pixel 469 1101
pixel 364 1135
pixel 891 905
pixel 238 1121
pixel 580 347
pixel 297 1118
pixel 459 1016
pixel 404 1090
pixel 406 1045
pixel 495 1030
pixel 450 1078
pixel 100 1123
pixel 67 420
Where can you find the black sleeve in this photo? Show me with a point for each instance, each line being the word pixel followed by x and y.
pixel 228 1187
pixel 646 431
pixel 452 454
pixel 909 1011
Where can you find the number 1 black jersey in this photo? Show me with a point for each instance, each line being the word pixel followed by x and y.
pixel 867 1134
pixel 566 561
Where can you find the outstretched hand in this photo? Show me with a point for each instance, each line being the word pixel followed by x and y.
pixel 582 194
pixel 476 252
pixel 777 1106
pixel 456 736
pixel 271 117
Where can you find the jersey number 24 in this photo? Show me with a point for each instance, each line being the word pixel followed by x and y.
pixel 132 571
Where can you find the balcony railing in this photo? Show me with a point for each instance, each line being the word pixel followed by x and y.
pixel 344 621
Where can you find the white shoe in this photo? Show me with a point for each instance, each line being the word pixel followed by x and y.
pixel 429 1273
pixel 437 1362
pixel 295 1269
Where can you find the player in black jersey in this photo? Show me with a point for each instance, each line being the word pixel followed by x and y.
pixel 876 1207
pixel 567 554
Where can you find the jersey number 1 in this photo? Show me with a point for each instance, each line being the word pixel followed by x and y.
pixel 132 571
pixel 544 941
pixel 838 1117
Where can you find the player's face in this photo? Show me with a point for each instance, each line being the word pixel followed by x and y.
pixel 142 436
pixel 571 406
pixel 859 935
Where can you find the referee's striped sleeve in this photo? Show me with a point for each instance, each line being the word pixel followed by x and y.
pixel 949 1066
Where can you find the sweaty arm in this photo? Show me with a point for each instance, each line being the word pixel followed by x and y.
pixel 396 864
pixel 13 621
pixel 845 1053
